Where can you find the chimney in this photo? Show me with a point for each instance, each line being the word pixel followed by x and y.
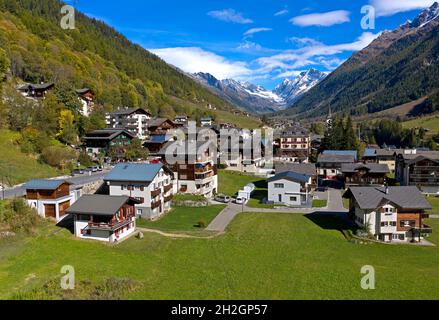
pixel 387 188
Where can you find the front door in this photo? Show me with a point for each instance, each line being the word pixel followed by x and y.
pixel 280 198
pixel 50 211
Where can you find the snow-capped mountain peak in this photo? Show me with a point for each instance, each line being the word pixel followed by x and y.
pixel 426 16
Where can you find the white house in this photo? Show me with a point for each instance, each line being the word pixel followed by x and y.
pixel 150 184
pixel 289 188
pixel 206 122
pixel 103 218
pixel 133 120
pixel 51 198
pixel 389 213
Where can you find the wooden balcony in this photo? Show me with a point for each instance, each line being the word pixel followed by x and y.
pixel 169 198
pixel 156 204
pixel 167 188
pixel 108 226
pixel 156 193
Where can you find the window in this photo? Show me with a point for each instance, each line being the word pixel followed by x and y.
pixel 142 188
pixel 279 185
pixel 183 176
pixel 293 199
pixel 123 187
pixel 407 223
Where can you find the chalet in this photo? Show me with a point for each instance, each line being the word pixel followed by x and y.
pixel 329 163
pixel 181 120
pixel 37 91
pixel 101 141
pixel 364 174
pixel 206 122
pixel 104 218
pixel 289 188
pixel 86 97
pixel 51 198
pixel 161 126
pixel 134 120
pixel 157 142
pixel 383 156
pixel 308 169
pixel 295 145
pixel 195 170
pixel 150 184
pixel 389 213
pixel 419 168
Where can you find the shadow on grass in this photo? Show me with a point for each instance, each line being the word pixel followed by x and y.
pixel 67 223
pixel 329 221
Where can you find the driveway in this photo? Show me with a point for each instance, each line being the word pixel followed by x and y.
pixel 225 217
pixel 20 191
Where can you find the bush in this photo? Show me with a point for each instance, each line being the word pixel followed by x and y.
pixel 202 224
pixel 18 217
pixel 58 156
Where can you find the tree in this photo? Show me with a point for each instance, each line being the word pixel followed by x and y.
pixel 67 131
pixel 135 151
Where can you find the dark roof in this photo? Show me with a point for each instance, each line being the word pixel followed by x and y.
pixel 99 204
pixel 370 167
pixel 158 122
pixel 206 119
pixel 301 168
pixel 292 176
pixel 44 184
pixel 403 197
pixel 173 145
pixel 40 86
pixel 334 158
pixel 295 132
pixel 353 153
pixel 107 134
pixel 141 172
pixel 83 90
pixel 130 111
pixel 421 155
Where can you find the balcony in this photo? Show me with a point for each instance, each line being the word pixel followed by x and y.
pixel 156 193
pixel 168 187
pixel 169 198
pixel 156 204
pixel 108 226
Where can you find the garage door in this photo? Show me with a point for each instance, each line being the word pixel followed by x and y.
pixel 49 210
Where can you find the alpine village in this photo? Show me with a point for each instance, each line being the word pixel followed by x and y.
pixel 345 176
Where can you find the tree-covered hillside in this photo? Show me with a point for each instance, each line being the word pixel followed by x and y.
pixel 93 55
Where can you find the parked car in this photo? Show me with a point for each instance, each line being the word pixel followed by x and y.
pixel 78 171
pixel 222 198
pixel 92 169
pixel 100 168
pixel 240 200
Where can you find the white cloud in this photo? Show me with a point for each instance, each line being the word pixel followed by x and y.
pixel 194 59
pixel 315 53
pixel 281 13
pixel 322 19
pixel 248 45
pixel 304 41
pixel 229 15
pixel 391 7
pixel 252 31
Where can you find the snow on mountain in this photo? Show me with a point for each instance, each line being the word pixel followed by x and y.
pixel 257 99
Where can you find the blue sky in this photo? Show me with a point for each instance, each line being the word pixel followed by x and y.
pixel 260 41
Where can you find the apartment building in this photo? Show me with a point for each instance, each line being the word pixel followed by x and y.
pixel 294 145
pixel 133 120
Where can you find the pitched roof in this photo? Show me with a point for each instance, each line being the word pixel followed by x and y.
pixel 83 90
pixel 408 197
pixel 172 146
pixel 336 158
pixel 301 168
pixel 370 167
pixel 107 134
pixel 141 172
pixel 158 122
pixel 98 204
pixel 44 184
pixel 130 111
pixel 291 176
pixel 421 155
pixel 353 153
pixel 38 86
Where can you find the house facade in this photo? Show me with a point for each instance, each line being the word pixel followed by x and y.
pixel 289 188
pixel 104 218
pixel 195 170
pixel 390 214
pixel 36 91
pixel 150 184
pixel 329 164
pixel 294 145
pixel 308 169
pixel 101 141
pixel 419 169
pixel 86 97
pixel 51 198
pixel 364 174
pixel 133 120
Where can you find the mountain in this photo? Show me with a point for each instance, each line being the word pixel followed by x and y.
pixel 96 56
pixel 291 90
pixel 257 99
pixel 398 67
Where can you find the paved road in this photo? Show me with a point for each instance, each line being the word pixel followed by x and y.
pixel 20 191
pixel 225 217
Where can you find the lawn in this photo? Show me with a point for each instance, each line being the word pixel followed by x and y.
pixel 319 203
pixel 18 167
pixel 428 122
pixel 435 203
pixel 183 218
pixel 230 182
pixel 262 256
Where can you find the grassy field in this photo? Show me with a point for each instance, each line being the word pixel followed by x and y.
pixel 183 218
pixel 16 166
pixel 319 203
pixel 230 182
pixel 428 122
pixel 435 203
pixel 262 256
